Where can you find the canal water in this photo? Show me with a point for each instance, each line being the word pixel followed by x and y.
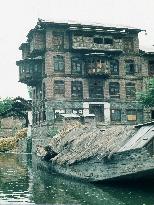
pixel 22 182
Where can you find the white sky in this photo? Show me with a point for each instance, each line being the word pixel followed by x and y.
pixel 17 17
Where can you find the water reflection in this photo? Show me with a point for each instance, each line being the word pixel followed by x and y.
pixel 14 180
pixel 21 182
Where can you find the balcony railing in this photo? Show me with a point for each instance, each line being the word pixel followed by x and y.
pixel 31 79
pixel 98 72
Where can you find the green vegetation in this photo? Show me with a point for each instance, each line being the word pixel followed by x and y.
pixel 5 105
pixel 147 96
pixel 16 107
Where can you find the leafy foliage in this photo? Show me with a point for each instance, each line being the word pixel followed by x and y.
pixel 147 96
pixel 5 105
pixel 16 107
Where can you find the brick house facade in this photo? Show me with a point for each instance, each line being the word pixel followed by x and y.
pixel 76 68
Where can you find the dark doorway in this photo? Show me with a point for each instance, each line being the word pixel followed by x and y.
pixel 98 111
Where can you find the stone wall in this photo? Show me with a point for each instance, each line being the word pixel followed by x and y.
pixel 130 164
pixel 41 135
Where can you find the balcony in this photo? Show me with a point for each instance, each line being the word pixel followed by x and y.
pixel 98 72
pixel 30 71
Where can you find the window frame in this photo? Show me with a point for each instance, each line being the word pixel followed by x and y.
pixel 130 93
pixel 78 91
pixel 114 93
pixel 59 89
pixel 114 63
pixel 59 61
pixel 114 119
pixel 74 64
pixel 130 64
pixel 98 86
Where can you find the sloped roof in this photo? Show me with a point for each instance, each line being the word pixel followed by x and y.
pixel 86 24
pixel 140 139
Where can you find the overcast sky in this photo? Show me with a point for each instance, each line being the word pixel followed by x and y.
pixel 17 17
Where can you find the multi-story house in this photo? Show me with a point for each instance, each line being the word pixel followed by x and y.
pixel 76 68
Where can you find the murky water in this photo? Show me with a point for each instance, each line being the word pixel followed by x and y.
pixel 21 182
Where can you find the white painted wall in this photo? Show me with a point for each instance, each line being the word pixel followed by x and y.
pixel 106 109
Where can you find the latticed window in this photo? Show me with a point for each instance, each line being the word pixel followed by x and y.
pixel 76 66
pixel 96 89
pixel 59 87
pixel 130 67
pixel 114 89
pixel 130 90
pixel 59 64
pixel 114 67
pixel 77 89
pixel 116 115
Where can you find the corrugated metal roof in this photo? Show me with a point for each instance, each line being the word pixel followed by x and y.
pixel 140 139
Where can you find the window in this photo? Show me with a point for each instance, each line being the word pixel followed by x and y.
pixel 130 90
pixel 59 64
pixel 131 115
pixel 151 68
pixel 116 115
pixel 114 67
pixel 98 40
pixel 77 89
pixel 96 89
pixel 76 66
pixel 108 41
pixel 58 40
pixel 59 87
pixel 130 67
pixel 35 68
pixel 114 89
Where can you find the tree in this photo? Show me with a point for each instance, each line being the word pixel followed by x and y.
pixel 147 96
pixel 5 105
pixel 17 107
